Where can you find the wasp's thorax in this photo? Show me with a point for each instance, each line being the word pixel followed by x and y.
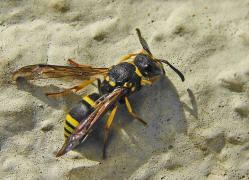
pixel 148 66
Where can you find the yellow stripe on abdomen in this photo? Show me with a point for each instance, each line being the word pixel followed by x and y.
pixel 68 128
pixel 71 120
pixel 90 101
pixel 66 134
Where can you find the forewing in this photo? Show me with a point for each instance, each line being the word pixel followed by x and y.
pixel 83 128
pixel 42 71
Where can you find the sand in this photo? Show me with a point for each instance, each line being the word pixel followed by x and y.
pixel 198 129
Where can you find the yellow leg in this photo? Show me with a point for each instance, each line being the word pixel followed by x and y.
pixel 108 124
pixel 76 64
pixel 132 113
pixel 144 81
pixel 127 57
pixel 151 81
pixel 77 88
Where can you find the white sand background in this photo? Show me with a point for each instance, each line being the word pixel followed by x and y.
pixel 199 133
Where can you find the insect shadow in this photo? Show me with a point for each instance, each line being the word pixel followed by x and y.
pixel 192 110
pixel 130 143
pixel 40 93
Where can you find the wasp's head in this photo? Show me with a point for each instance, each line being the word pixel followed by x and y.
pixel 153 67
pixel 148 66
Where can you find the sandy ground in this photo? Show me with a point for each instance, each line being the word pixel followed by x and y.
pixel 198 129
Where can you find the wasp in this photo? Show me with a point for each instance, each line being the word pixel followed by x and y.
pixel 120 81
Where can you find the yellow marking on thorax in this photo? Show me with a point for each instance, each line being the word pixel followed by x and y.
pixel 133 88
pixel 128 85
pixel 90 101
pixel 137 70
pixel 72 121
pixel 107 78
pixel 113 84
pixel 68 128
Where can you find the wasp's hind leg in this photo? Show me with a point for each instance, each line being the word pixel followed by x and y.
pixel 76 64
pixel 132 113
pixel 76 88
pixel 108 124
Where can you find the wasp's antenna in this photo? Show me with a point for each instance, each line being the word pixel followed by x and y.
pixel 143 42
pixel 172 67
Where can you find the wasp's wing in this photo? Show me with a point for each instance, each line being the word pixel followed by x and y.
pixel 42 71
pixel 85 125
pixel 143 42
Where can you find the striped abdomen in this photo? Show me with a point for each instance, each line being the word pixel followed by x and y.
pixel 79 112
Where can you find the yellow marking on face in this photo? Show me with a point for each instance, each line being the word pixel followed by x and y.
pixel 68 128
pixel 113 84
pixel 133 88
pixel 90 101
pixel 72 121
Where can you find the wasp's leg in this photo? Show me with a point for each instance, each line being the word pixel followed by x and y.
pixel 144 81
pixel 127 57
pixel 153 79
pixel 108 124
pixel 77 88
pixel 99 88
pixel 76 64
pixel 149 82
pixel 132 113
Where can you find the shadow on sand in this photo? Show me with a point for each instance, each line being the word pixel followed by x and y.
pixel 39 92
pixel 130 143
